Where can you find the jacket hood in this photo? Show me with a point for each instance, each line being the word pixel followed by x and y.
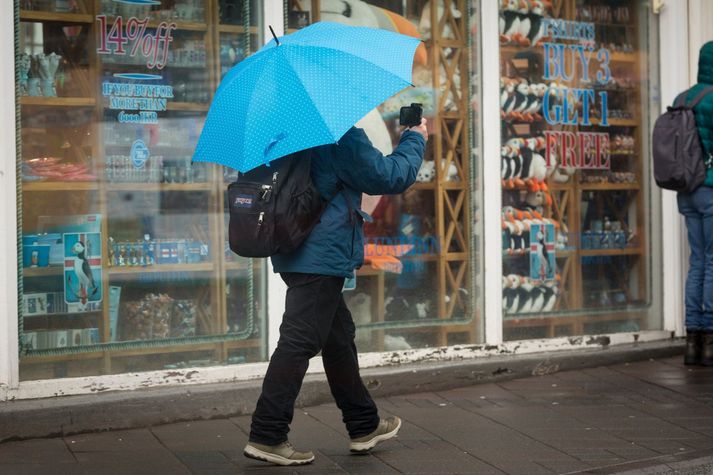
pixel 705 64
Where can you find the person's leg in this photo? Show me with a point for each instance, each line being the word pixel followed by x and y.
pixel 694 281
pixel 339 356
pixel 310 307
pixel 704 203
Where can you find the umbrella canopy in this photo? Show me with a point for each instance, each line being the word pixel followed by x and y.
pixel 302 90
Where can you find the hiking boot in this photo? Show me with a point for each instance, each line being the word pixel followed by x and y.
pixel 280 454
pixel 386 429
pixel 694 348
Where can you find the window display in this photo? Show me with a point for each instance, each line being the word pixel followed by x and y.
pixel 420 280
pixel 125 259
pixel 575 218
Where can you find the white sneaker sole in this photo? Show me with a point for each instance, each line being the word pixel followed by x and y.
pixel 369 444
pixel 257 454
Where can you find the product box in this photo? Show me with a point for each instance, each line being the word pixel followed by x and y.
pixel 168 252
pixel 90 336
pixel 57 339
pixel 34 304
pixel 31 340
pixel 35 255
pixel 75 337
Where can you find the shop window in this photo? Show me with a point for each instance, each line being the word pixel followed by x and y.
pixel 420 283
pixel 124 242
pixel 576 217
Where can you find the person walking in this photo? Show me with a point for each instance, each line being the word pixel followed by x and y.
pixel 316 317
pixel 697 207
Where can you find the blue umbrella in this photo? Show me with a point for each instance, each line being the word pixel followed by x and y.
pixel 302 90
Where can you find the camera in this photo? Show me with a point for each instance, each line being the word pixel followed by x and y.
pixel 411 115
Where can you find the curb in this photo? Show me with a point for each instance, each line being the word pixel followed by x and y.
pixel 148 407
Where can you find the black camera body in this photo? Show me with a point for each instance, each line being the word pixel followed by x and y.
pixel 411 115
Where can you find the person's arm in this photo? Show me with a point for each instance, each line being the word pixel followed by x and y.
pixel 362 167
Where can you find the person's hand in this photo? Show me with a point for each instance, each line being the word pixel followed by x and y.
pixel 421 129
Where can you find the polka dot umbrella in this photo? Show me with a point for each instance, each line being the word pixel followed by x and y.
pixel 302 90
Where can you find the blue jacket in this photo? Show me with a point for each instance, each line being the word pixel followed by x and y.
pixel 336 245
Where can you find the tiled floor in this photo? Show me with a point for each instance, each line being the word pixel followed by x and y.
pixel 600 420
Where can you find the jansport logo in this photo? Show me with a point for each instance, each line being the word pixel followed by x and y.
pixel 243 201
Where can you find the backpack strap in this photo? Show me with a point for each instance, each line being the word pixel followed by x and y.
pixel 681 99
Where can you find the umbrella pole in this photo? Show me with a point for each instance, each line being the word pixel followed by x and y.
pixel 274 35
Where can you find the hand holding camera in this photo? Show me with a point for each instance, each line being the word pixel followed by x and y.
pixel 411 117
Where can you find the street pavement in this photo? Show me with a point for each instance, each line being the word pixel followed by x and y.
pixel 652 417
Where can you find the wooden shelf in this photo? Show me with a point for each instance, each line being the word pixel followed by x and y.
pixel 160 187
pixel 41 101
pixel 116 353
pixel 30 15
pixel 48 271
pixel 31 186
pixel 187 106
pixel 156 268
pixel 609 186
pixel 237 29
pixel 623 57
pixel 627 251
pixel 237 266
pixel 615 122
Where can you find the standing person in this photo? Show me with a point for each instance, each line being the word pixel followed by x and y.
pixel 697 207
pixel 316 317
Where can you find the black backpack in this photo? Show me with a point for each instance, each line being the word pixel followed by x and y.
pixel 273 208
pixel 679 158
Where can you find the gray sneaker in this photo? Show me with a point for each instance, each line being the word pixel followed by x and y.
pixel 386 429
pixel 280 454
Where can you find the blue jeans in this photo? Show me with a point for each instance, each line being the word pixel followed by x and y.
pixel 697 207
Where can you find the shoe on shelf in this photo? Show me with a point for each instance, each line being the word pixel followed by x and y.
pixel 280 454
pixel 694 347
pixel 386 429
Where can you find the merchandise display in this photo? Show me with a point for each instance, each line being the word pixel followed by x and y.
pixel 157 316
pixel 119 226
pixel 572 102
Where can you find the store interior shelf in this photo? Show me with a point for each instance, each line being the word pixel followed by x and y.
pixel 47 271
pixel 163 349
pixel 180 25
pixel 31 15
pixel 614 122
pixel 177 268
pixel 517 319
pixel 160 186
pixel 239 29
pixel 623 57
pixel 31 186
pixel 42 101
pixel 188 106
pixel 609 186
pixel 627 251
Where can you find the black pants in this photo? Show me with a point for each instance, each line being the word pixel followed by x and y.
pixel 316 318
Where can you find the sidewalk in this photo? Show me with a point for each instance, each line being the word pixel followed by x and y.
pixel 646 417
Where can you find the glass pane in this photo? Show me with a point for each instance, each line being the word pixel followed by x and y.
pixel 125 259
pixel 421 277
pixel 576 217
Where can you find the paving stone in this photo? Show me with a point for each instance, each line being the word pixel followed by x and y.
pixel 36 451
pixel 214 435
pixel 123 440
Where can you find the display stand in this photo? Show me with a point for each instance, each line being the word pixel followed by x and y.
pixel 218 337
pixel 587 300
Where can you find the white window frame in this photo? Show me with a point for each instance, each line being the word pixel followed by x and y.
pixel 9 352
pixel 673 19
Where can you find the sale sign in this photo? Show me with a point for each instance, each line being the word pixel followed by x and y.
pixel 133 37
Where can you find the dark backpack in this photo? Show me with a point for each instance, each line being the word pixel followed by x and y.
pixel 679 158
pixel 273 208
